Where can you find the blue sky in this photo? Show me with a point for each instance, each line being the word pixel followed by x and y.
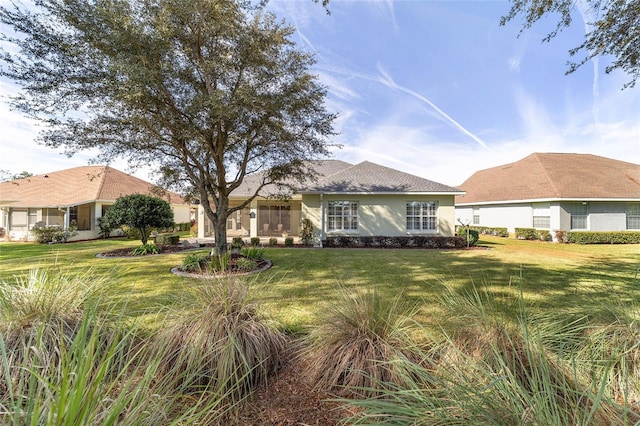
pixel 433 88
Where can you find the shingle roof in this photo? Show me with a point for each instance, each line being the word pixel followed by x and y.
pixel 322 168
pixel 373 178
pixel 554 176
pixel 76 186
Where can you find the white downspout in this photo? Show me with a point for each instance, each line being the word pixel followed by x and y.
pixel 322 236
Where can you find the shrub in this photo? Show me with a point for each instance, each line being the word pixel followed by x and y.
pixel 141 212
pixel 194 230
pixel 560 236
pixel 490 230
pixel 195 262
pixel 487 373
pixel 172 239
pixel 357 341
pixel 527 234
pixel 414 241
pixel 255 241
pixel 273 241
pixel 225 343
pixel 544 235
pixel 145 249
pixel 219 262
pixel 253 252
pixel 53 234
pixel 613 237
pixel 473 235
pixel 245 264
pixel 288 242
pixel 306 233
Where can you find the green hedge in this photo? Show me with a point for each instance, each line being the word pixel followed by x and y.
pixel 490 230
pixel 474 235
pixel 167 239
pixel 532 234
pixel 612 237
pixel 418 241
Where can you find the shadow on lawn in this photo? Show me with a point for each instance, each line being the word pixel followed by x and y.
pixel 423 274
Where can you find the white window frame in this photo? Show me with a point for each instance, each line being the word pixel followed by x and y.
pixel 421 217
pixel 343 216
pixel 476 216
pixel 633 215
pixel 583 215
pixel 541 215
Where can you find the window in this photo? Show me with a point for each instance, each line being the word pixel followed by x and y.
pixel 342 216
pixel 422 216
pixel 541 215
pixel 33 218
pixel 633 216
pixel 73 216
pixel 579 215
pixel 476 215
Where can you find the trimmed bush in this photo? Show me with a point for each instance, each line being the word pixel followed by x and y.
pixel 167 239
pixel 273 241
pixel 288 242
pixel 527 234
pixel 473 235
pixel 255 241
pixel 613 237
pixel 53 234
pixel 490 230
pixel 417 241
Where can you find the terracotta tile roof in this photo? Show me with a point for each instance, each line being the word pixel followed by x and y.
pixel 76 186
pixel 554 176
pixel 374 178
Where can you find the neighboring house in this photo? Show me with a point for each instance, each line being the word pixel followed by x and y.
pixel 554 192
pixel 346 199
pixel 79 195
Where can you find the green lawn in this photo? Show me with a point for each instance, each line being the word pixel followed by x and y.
pixel 552 277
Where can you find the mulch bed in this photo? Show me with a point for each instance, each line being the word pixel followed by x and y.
pixel 288 399
pixel 166 249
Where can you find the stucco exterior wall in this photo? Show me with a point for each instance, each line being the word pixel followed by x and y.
pixel 602 216
pixel 378 214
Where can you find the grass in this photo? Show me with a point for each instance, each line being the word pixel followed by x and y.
pixel 550 276
pixel 515 333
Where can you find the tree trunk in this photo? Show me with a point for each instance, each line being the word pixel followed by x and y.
pixel 220 232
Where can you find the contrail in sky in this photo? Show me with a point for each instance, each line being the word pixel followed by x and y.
pixel 386 80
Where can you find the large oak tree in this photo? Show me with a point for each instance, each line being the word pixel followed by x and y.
pixel 615 29
pixel 209 91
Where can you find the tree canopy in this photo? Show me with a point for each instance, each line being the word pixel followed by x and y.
pixel 138 211
pixel 208 91
pixel 615 30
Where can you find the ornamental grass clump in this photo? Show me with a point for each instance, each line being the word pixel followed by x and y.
pixel 225 343
pixel 355 344
pixel 492 373
pixel 46 307
pixel 610 351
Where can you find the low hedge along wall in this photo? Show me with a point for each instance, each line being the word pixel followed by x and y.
pixel 418 241
pixel 613 237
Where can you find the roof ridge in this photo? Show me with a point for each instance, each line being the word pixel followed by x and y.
pixel 102 181
pixel 546 174
pixel 339 171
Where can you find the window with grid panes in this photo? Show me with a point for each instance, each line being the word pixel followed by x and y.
pixel 422 216
pixel 342 216
pixel 633 216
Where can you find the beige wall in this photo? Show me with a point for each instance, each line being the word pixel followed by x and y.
pixel 380 214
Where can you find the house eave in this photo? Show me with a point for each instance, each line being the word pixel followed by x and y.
pixel 547 200
pixel 379 193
